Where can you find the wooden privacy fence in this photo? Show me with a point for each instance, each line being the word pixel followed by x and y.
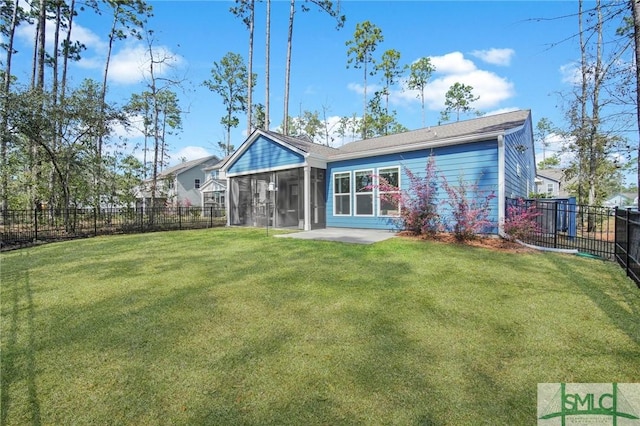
pixel 20 228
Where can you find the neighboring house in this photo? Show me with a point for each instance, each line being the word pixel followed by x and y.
pixel 178 185
pixel 214 189
pixel 621 200
pixel 288 182
pixel 552 183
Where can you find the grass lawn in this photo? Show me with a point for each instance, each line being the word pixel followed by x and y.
pixel 229 326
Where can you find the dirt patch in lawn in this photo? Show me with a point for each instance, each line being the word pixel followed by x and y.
pixel 492 243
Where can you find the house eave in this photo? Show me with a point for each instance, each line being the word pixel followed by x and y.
pixel 458 140
pixel 247 143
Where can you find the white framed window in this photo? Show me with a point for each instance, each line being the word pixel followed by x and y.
pixel 363 180
pixel 550 188
pixel 196 183
pixel 342 194
pixel 388 191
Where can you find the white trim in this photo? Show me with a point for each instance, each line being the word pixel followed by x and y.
pixel 370 193
pixel 399 169
pixel 307 198
pixel 501 182
pixel 250 140
pixel 333 181
pixel 416 146
pixel 267 170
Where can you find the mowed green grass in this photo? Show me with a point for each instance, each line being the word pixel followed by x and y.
pixel 230 326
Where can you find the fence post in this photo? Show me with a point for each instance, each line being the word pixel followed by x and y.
pixel 35 224
pixel 627 233
pixel 179 217
pixel 95 221
pixel 555 224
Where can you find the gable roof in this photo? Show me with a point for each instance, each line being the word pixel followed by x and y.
pixel 556 175
pixel 476 129
pixel 461 131
pixel 187 165
pixel 303 144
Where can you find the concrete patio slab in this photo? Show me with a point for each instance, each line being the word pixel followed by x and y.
pixel 344 235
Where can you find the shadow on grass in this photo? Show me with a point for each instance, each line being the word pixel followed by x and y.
pixel 627 321
pixel 18 361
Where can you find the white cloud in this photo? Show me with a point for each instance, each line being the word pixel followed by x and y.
pixel 131 64
pixel 554 144
pixel 570 73
pixel 85 36
pixel 452 63
pixel 451 68
pixel 495 56
pixel 359 88
pixel 128 65
pixel 455 68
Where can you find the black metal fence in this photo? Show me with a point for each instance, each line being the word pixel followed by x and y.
pixel 20 228
pixel 608 233
pixel 563 224
pixel 627 247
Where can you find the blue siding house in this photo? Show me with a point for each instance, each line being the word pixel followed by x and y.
pixel 284 181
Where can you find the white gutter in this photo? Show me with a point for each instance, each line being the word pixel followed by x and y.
pixel 501 188
pixel 415 146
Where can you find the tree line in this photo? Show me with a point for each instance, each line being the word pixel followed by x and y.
pixel 60 146
pixel 601 113
pixel 233 81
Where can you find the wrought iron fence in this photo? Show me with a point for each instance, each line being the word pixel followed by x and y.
pixel 627 247
pixel 563 224
pixel 19 228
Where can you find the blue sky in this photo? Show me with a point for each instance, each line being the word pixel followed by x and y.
pixel 512 59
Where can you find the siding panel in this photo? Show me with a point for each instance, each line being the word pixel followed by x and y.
pixel 265 154
pixel 473 163
pixel 519 156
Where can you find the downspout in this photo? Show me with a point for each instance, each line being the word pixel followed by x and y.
pixel 227 200
pixel 307 198
pixel 501 185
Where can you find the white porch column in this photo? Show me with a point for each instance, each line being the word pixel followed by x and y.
pixel 307 198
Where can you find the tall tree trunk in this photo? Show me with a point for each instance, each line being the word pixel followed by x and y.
pixel 582 118
pixel 38 86
pixel 635 9
pixel 267 65
pixel 42 23
pixel 285 127
pixel 229 116
pixel 156 135
pixel 103 99
pixel 594 125
pixel 364 109
pixel 54 200
pixel 250 68
pixel 6 87
pixel 63 88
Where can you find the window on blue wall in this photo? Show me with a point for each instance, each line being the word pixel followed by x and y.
pixel 342 193
pixel 364 192
pixel 389 191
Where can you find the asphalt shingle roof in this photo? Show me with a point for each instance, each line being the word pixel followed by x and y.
pixel 303 144
pixel 483 125
pixel 430 135
pixel 179 168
